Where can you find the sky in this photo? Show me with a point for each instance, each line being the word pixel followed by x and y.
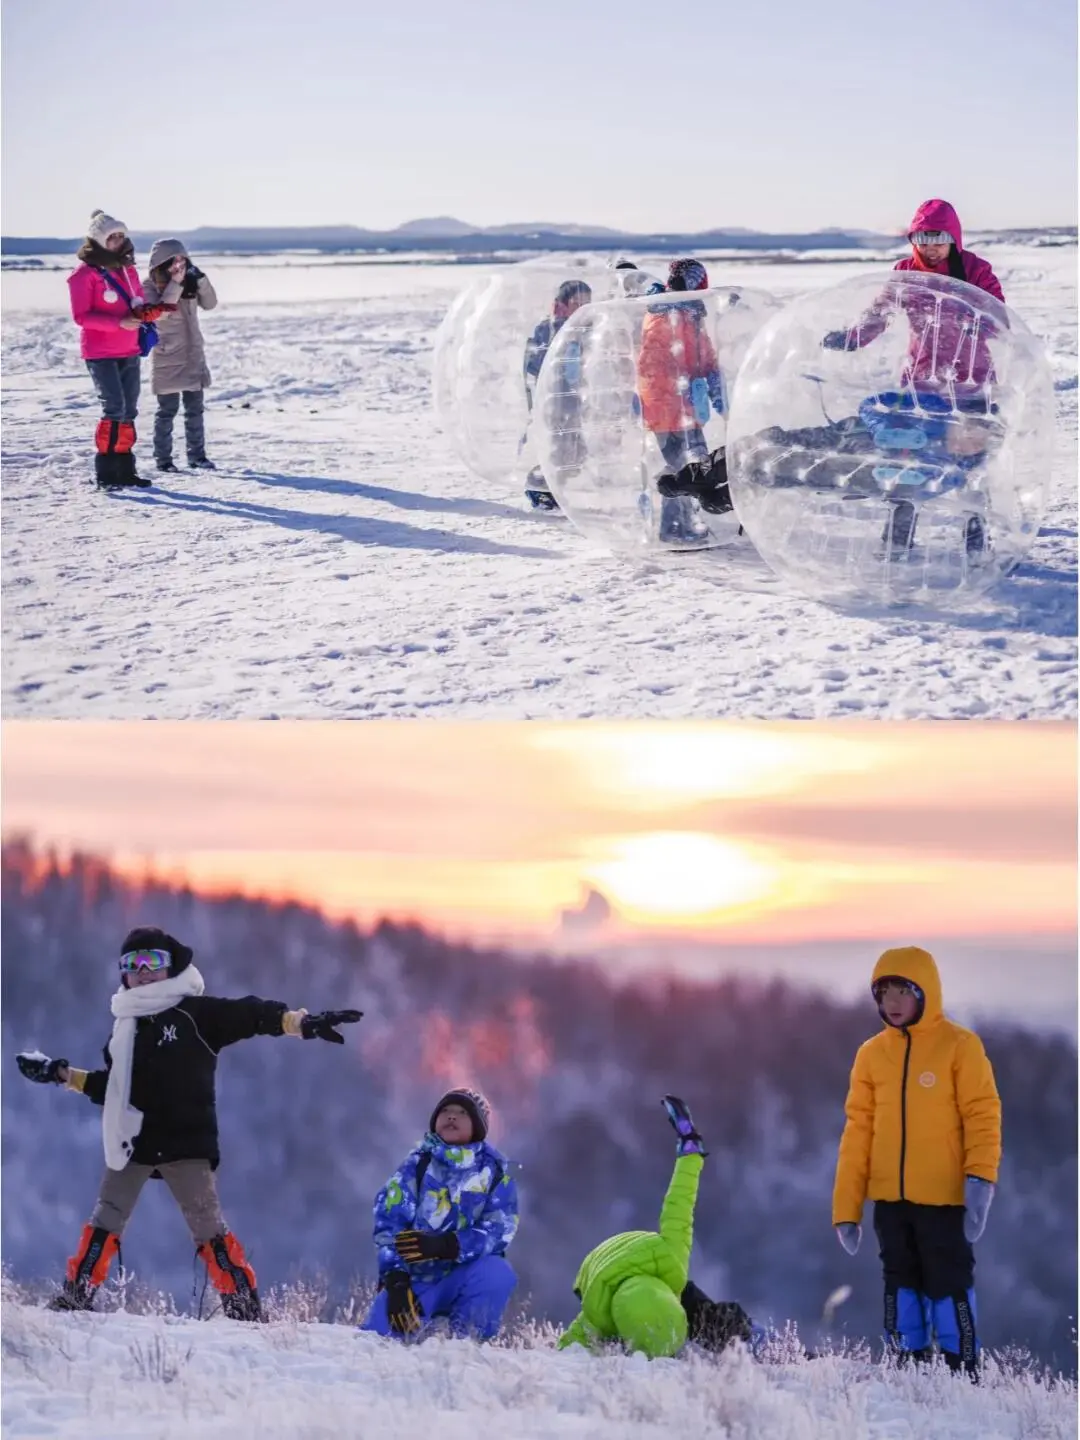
pixel 589 833
pixel 780 116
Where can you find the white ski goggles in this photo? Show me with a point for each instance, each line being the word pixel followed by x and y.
pixel 931 237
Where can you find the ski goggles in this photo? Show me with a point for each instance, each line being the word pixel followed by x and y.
pixel 931 237
pixel 895 982
pixel 152 960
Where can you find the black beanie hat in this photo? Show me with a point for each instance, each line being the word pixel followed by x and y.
pixel 474 1104
pixel 149 937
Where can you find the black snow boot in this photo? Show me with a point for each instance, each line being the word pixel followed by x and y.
pixel 87 1269
pixel 168 467
pixel 75 1295
pixel 975 538
pixel 233 1277
pixel 714 1324
pixel 127 470
pixel 107 472
pixel 899 532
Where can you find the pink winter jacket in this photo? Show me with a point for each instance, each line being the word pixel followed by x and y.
pixel 98 308
pixel 948 340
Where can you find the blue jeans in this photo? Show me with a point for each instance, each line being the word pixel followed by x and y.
pixel 680 447
pixel 472 1297
pixel 117 385
pixel 194 425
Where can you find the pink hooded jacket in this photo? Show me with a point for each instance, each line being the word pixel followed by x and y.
pixel 940 215
pixel 948 340
pixel 98 308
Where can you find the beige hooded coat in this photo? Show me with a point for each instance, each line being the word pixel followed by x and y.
pixel 178 360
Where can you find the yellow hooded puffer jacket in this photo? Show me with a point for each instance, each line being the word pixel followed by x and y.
pixel 922 1108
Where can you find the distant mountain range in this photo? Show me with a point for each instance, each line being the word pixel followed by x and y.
pixel 444 233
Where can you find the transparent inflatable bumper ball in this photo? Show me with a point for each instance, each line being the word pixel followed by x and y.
pixel 630 418
pixel 890 440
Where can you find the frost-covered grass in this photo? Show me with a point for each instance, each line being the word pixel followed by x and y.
pixel 161 1376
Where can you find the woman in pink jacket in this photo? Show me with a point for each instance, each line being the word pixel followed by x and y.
pixel 107 305
pixel 948 348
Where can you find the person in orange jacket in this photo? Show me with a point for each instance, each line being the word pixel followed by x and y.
pixel 923 1141
pixel 679 386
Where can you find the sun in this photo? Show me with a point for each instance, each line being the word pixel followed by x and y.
pixel 679 875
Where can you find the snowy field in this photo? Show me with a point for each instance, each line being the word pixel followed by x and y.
pixel 134 1377
pixel 342 563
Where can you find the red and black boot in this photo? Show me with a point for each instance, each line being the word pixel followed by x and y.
pixel 232 1277
pixel 114 463
pixel 125 455
pixel 87 1269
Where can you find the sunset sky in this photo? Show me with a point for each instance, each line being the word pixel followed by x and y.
pixel 584 834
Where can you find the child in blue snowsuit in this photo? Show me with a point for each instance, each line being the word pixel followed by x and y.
pixel 443 1222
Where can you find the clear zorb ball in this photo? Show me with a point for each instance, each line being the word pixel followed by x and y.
pixel 446 360
pixel 891 440
pixel 631 416
pixel 490 349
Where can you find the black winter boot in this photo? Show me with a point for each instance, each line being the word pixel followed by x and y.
pixel 131 477
pixel 232 1276
pixel 714 1324
pixel 107 472
pixel 87 1269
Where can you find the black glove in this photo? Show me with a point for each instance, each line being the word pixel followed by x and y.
pixel 836 340
pixel 321 1026
pixel 41 1069
pixel 192 276
pixel 416 1245
pixel 690 1142
pixel 403 1310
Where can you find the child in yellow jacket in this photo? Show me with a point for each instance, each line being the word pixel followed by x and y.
pixel 923 1141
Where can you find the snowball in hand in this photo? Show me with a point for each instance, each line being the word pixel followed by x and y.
pixel 890 440
pixel 490 349
pixel 630 415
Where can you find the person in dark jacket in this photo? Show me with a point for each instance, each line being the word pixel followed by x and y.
pixel 569 298
pixel 159 1108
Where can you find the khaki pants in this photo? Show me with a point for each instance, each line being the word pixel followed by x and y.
pixel 191 1182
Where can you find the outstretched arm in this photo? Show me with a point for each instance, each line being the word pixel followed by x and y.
pixel 39 1068
pixel 224 1022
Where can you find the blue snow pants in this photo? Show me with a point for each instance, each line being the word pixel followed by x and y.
pixel 472 1297
pixel 929 1280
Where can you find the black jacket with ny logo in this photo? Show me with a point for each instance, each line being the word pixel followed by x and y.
pixel 174 1068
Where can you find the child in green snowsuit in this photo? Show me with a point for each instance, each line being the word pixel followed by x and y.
pixel 630 1286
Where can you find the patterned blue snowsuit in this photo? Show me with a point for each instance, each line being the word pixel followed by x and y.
pixel 466 1189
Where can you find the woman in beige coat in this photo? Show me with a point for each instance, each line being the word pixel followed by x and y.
pixel 178 361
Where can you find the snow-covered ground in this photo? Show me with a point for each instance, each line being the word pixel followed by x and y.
pixel 342 563
pixel 115 1376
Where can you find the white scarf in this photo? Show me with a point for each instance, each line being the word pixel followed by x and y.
pixel 121 1122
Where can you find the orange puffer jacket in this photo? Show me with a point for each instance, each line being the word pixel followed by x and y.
pixel 675 349
pixel 922 1109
